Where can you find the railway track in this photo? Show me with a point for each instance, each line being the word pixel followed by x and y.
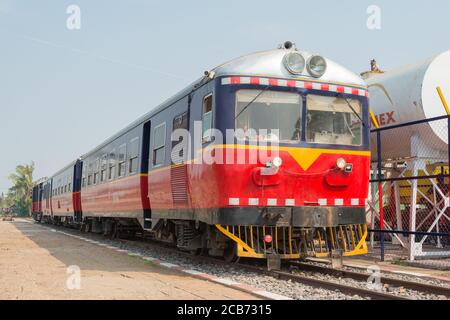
pixel 327 285
pixel 359 276
pixel 284 275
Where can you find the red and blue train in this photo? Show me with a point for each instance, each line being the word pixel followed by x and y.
pixel 290 180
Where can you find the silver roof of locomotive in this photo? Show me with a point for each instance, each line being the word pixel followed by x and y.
pixel 270 64
pixel 265 64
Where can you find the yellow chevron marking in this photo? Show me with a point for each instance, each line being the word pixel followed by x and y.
pixel 306 157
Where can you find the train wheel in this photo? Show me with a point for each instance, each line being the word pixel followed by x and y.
pixel 230 253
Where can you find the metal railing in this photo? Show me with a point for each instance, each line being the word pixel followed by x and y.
pixel 408 207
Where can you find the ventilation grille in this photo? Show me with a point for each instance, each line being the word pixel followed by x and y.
pixel 178 178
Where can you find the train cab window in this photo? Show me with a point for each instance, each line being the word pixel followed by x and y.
pixel 159 143
pixel 104 165
pixel 333 120
pixel 112 164
pixel 134 154
pixel 268 115
pixel 122 160
pixel 207 117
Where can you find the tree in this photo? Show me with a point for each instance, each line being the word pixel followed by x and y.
pixel 22 188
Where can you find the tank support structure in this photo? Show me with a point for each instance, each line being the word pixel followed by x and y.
pixel 414 201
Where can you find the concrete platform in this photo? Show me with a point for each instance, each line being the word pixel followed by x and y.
pixel 36 263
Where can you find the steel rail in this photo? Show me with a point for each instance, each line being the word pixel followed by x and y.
pixel 417 286
pixel 327 285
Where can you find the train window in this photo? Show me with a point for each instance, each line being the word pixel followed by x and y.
pixel 180 122
pixel 65 188
pixel 333 120
pixel 112 164
pixel 96 170
pixel 70 187
pixel 104 165
pixel 90 170
pixel 207 117
pixel 122 160
pixel 83 183
pixel 159 142
pixel 134 154
pixel 268 115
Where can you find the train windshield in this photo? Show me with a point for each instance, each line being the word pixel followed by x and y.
pixel 268 115
pixel 333 120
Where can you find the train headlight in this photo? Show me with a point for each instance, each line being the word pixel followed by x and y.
pixel 317 66
pixel 341 163
pixel 294 62
pixel 277 162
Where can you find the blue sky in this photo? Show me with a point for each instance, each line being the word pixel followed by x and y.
pixel 64 91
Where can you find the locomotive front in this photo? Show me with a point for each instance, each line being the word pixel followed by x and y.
pixel 294 177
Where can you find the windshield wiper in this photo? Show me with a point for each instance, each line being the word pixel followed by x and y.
pixel 253 100
pixel 354 111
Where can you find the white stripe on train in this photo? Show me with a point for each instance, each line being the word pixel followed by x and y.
pixel 295 83
pixel 291 202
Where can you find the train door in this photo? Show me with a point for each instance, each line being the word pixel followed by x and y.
pixel 76 192
pixel 145 154
pixel 51 197
pixel 40 197
pixel 47 191
pixel 34 199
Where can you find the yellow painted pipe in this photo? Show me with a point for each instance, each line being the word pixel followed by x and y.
pixel 374 119
pixel 444 102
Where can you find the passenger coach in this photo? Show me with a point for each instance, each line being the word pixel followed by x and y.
pixel 307 118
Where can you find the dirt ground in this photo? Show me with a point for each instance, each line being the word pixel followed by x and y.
pixel 34 264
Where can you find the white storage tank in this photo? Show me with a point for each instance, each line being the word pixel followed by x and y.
pixel 407 94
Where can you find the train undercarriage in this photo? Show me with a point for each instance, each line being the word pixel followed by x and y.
pixel 230 241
